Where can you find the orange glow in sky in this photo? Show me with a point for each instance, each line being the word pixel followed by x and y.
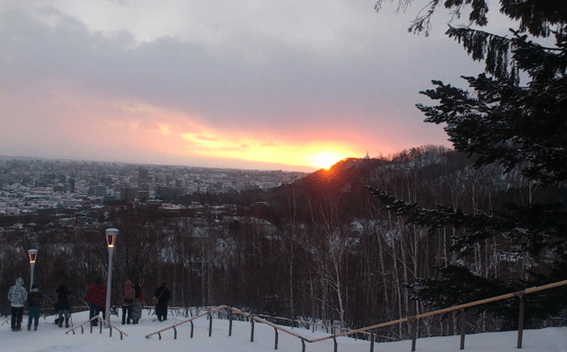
pixel 275 149
pixel 325 160
pixel 159 135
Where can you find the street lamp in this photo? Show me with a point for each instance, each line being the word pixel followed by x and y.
pixel 32 254
pixel 111 234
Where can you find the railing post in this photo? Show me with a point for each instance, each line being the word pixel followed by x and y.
pixel 521 321
pixel 230 322
pixel 302 345
pixel 371 340
pixel 251 329
pixel 210 324
pixel 335 343
pixel 192 328
pixel 413 321
pixel 463 328
pixel 276 343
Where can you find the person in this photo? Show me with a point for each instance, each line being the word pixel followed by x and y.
pixel 17 295
pixel 138 304
pixel 162 296
pixel 35 300
pixel 63 305
pixel 96 300
pixel 128 297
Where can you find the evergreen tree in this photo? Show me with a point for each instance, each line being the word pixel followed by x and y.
pixel 522 127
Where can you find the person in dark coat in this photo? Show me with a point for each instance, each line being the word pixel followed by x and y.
pixel 35 300
pixel 63 305
pixel 17 295
pixel 96 300
pixel 163 296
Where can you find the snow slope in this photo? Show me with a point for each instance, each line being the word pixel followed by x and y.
pixel 51 338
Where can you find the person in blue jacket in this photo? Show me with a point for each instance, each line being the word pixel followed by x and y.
pixel 35 300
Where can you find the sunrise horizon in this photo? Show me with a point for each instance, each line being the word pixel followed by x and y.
pixel 328 160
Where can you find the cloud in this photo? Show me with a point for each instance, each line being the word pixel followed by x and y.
pixel 217 79
pixel 225 87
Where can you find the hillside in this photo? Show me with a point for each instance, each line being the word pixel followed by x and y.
pixel 51 338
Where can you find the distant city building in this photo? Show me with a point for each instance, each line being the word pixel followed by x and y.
pixel 143 196
pixel 97 191
pixel 71 185
pixel 168 192
pixel 108 198
pixel 128 194
pixel 142 176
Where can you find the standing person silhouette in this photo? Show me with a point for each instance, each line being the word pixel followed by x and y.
pixel 138 304
pixel 35 300
pixel 162 297
pixel 128 297
pixel 17 295
pixel 63 305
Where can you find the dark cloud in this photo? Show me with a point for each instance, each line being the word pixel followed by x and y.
pixel 225 87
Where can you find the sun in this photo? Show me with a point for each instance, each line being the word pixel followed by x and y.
pixel 325 160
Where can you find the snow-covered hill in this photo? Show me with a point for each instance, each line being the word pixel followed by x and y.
pixel 51 338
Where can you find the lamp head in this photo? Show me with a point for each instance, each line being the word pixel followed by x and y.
pixel 32 253
pixel 111 234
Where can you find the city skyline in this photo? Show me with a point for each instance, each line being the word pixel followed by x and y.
pixel 293 86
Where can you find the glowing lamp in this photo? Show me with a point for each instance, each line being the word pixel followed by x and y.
pixel 111 234
pixel 32 253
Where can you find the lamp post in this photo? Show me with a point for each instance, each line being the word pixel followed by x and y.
pixel 32 254
pixel 111 234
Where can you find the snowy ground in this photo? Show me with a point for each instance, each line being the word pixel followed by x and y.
pixel 51 338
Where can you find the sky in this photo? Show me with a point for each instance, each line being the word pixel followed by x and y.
pixel 292 85
pixel 51 338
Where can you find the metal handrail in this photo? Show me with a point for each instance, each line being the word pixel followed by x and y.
pixel 309 323
pixel 452 309
pixel 174 326
pixel 101 322
pixel 369 329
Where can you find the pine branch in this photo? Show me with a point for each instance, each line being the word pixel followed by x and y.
pixel 493 49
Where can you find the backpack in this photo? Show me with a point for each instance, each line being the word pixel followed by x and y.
pixel 37 300
pixel 129 295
